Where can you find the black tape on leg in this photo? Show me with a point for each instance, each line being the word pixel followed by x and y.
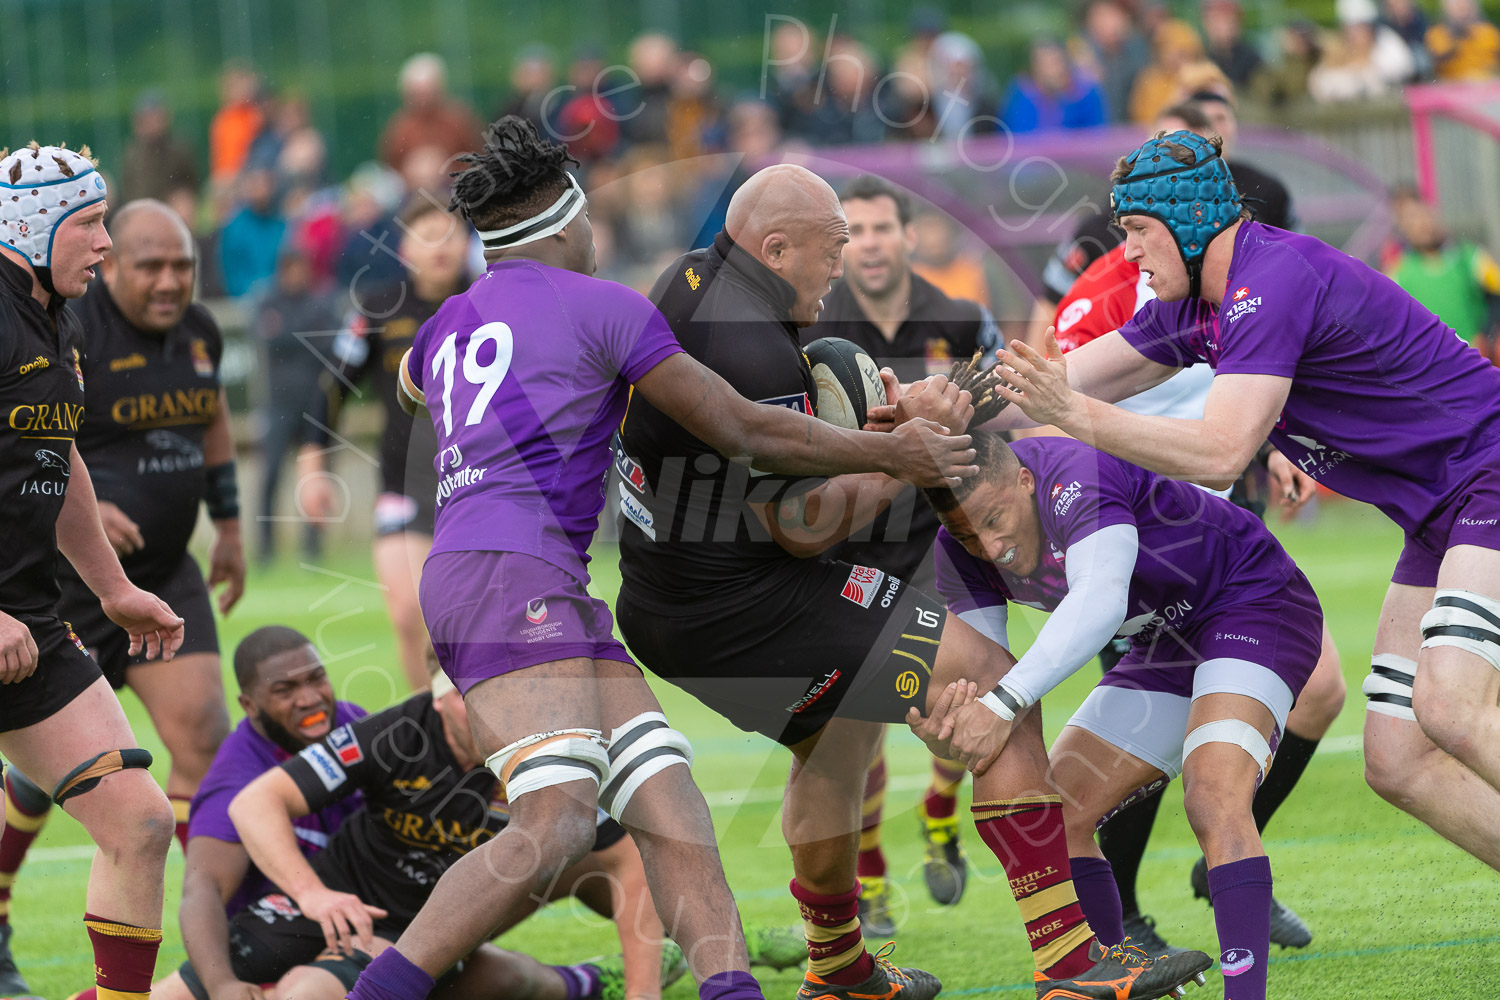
pixel 85 776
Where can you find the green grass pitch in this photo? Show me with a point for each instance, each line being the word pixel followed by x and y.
pixel 1396 911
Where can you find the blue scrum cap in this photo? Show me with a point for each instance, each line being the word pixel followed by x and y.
pixel 1196 201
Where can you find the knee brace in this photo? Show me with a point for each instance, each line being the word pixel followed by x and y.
pixel 1388 687
pixel 1235 732
pixel 546 759
pixel 1467 620
pixel 87 775
pixel 640 748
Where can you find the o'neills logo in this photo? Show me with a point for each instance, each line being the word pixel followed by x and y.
pixel 31 366
pixel 463 477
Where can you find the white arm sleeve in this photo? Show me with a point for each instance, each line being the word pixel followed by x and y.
pixel 1099 568
pixel 990 623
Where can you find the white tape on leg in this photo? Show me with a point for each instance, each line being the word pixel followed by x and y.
pixel 1388 686
pixel 641 748
pixel 1467 620
pixel 546 759
pixel 1235 732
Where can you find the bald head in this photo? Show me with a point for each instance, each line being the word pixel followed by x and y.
pixel 151 271
pixel 789 219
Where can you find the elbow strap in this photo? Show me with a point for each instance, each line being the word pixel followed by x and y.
pixel 222 496
pixel 86 776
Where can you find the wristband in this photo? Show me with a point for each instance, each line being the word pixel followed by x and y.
pixel 222 496
pixel 1002 703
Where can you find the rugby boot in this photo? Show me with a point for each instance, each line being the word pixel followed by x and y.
pixel 611 970
pixel 11 982
pixel 875 918
pixel 776 947
pixel 886 983
pixel 1122 972
pixel 1140 930
pixel 1287 929
pixel 944 865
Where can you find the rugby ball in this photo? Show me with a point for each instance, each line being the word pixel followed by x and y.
pixel 848 381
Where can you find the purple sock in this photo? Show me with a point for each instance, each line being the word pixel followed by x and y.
pixel 1094 881
pixel 732 985
pixel 579 981
pixel 1241 897
pixel 391 977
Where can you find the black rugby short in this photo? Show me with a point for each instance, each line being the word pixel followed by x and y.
pixel 63 671
pixel 185 593
pixel 398 513
pixel 829 639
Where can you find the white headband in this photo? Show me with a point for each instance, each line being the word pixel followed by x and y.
pixel 548 222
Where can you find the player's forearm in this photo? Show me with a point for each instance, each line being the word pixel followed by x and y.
pixel 814 522
pixel 218 442
pixel 1191 450
pixel 80 534
pixel 264 823
pixel 205 931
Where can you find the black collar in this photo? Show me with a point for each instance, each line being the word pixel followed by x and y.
pixel 16 278
pixel 760 280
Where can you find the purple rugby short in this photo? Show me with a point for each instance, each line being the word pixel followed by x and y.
pixel 1473 518
pixel 490 613
pixel 1284 634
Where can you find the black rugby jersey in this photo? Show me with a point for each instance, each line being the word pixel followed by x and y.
pixel 150 399
pixel 41 396
pixel 422 811
pixel 369 349
pixel 687 532
pixel 937 331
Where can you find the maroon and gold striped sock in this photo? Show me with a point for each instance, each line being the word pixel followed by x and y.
pixel 835 948
pixel 871 857
pixel 26 811
pixel 180 809
pixel 124 958
pixel 1027 836
pixel 942 794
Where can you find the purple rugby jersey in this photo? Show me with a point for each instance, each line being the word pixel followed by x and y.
pixel 1387 405
pixel 1199 555
pixel 526 376
pixel 244 756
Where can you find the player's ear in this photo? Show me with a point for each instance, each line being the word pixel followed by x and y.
pixel 247 706
pixel 909 238
pixel 773 248
pixel 1026 481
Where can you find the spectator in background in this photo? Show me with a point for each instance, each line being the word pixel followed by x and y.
pixel 695 118
pixel 941 258
pixel 156 162
pixel 531 80
pixel 844 111
pixel 367 255
pixel 289 145
pixel 249 240
pixel 1364 60
pixel 1409 21
pixel 906 96
pixel 963 91
pixel 295 326
pixel 754 133
pixel 1112 51
pixel 427 116
pixel 789 78
pixel 1284 82
pixel 647 224
pixel 1174 44
pixel 1224 25
pixel 654 59
pixel 1458 280
pixel 1053 95
pixel 236 124
pixel 588 122
pixel 1464 45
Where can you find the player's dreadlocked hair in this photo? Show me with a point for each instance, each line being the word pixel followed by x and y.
pixel 515 176
pixel 993 456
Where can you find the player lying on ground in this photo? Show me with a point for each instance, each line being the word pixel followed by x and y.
pixel 1224 630
pixel 526 376
pixel 1363 389
pixel 427 799
pixel 59 720
pixel 721 596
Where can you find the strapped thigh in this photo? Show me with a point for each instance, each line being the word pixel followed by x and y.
pixel 1388 686
pixel 639 749
pixel 552 758
pixel 1235 732
pixel 1467 620
pixel 86 776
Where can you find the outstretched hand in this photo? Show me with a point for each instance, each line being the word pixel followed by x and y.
pixel 936 399
pixel 1038 383
pixel 152 625
pixel 1291 488
pixel 937 729
pixel 927 455
pixel 979 736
